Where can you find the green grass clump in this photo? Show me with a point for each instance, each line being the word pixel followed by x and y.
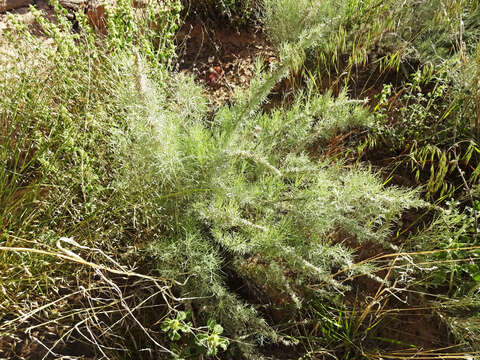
pixel 371 38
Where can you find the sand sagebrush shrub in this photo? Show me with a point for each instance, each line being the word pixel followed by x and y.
pixel 244 188
pixel 449 27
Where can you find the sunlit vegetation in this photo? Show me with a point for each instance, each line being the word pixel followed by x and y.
pixel 340 222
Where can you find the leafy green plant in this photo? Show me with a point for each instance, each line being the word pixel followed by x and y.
pixel 213 340
pixel 446 256
pixel 174 327
pixel 207 342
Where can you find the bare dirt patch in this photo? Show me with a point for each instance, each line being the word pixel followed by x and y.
pixel 222 58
